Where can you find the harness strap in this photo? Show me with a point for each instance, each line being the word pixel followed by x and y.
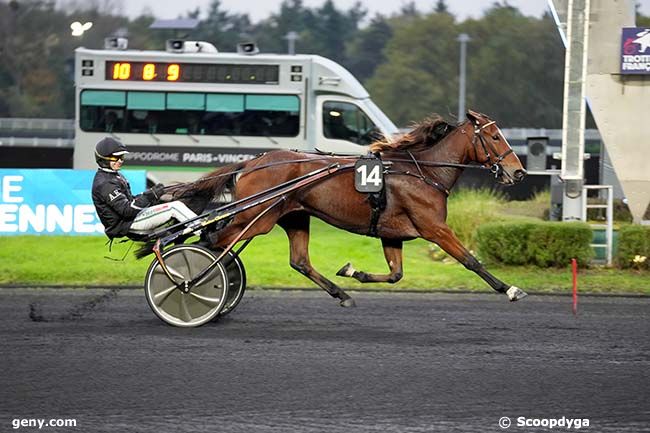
pixel 377 201
pixel 422 177
pixel 440 187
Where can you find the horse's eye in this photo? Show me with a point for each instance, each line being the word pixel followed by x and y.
pixel 495 137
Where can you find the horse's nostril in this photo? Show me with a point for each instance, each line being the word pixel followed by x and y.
pixel 519 174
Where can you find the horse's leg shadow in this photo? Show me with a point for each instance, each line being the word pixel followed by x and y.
pixel 296 225
pixel 392 253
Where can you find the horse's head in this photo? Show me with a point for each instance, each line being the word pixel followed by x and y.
pixel 491 149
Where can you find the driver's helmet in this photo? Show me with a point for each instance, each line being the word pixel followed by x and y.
pixel 109 149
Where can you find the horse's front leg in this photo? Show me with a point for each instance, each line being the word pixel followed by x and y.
pixel 447 240
pixel 393 255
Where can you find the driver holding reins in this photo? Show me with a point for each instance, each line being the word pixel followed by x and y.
pixel 119 211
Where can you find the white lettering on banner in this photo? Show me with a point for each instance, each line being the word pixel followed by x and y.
pixel 197 157
pixel 229 158
pixel 41 218
pixel 8 188
pixel 84 217
pixel 152 156
pixel 7 216
pixel 57 218
pixel 28 217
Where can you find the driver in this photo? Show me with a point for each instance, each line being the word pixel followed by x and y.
pixel 119 211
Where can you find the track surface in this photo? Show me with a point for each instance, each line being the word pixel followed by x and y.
pixel 296 362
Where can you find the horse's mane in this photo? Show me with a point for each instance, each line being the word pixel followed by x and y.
pixel 422 136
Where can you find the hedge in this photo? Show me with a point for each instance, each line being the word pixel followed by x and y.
pixel 633 241
pixel 544 244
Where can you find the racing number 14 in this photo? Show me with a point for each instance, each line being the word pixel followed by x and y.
pixel 368 175
pixel 372 177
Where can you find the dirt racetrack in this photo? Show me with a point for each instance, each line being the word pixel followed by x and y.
pixel 297 362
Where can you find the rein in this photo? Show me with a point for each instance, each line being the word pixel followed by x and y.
pixel 494 167
pixel 325 158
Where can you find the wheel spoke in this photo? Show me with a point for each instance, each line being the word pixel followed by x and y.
pixel 185 313
pixel 187 263
pixel 172 271
pixel 210 302
pixel 161 296
pixel 206 277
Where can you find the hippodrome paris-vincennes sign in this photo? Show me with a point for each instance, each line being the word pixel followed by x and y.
pixel 635 51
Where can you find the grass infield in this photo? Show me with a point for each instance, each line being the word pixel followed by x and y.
pixel 76 260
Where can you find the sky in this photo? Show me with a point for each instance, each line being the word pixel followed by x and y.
pixel 260 9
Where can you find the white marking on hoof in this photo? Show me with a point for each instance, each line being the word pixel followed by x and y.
pixel 348 303
pixel 346 271
pixel 515 293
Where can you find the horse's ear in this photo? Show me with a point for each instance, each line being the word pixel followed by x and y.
pixel 473 116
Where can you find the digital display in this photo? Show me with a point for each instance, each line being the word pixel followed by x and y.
pixel 192 72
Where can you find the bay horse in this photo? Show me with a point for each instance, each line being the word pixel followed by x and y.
pixel 424 165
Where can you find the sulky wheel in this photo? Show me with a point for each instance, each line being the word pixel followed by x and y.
pixel 205 299
pixel 236 281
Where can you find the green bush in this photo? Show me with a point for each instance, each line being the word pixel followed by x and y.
pixel 633 240
pixel 555 244
pixel 470 208
pixel 543 244
pixel 504 242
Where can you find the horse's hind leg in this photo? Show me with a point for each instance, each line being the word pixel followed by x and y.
pixel 393 255
pixel 297 227
pixel 447 240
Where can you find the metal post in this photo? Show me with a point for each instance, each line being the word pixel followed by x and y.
pixel 573 113
pixel 463 38
pixel 291 38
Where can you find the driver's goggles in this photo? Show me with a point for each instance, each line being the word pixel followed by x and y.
pixel 115 158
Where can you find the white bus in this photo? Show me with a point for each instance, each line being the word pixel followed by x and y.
pixel 181 111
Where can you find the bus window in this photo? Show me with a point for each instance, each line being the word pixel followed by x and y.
pixel 145 101
pixel 253 115
pixel 190 113
pixel 142 121
pixel 102 111
pixel 345 121
pixel 190 122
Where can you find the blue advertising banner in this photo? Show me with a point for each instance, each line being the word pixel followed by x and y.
pixel 52 202
pixel 635 50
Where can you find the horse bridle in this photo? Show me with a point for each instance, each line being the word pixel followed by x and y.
pixel 495 165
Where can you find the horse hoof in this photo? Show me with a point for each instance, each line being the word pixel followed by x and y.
pixel 346 271
pixel 348 303
pixel 515 293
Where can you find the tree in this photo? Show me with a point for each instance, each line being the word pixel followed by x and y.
pixel 329 29
pixel 515 68
pixel 441 7
pixel 641 20
pixel 292 17
pixel 365 52
pixel 420 76
pixel 409 10
pixel 223 29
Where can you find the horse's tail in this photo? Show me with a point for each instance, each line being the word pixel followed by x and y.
pixel 197 194
pixel 211 185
